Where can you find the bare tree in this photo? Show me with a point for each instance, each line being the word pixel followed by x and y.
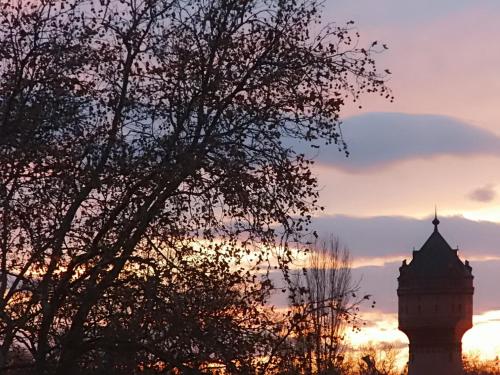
pixel 324 303
pixel 123 121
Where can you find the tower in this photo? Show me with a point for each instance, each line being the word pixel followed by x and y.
pixel 435 306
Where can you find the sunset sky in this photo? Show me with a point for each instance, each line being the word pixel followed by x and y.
pixel 437 144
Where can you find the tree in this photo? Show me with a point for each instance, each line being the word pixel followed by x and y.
pixel 123 123
pixel 323 302
pixel 178 309
pixel 167 315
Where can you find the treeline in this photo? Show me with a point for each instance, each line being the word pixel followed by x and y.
pixel 367 360
pixel 474 365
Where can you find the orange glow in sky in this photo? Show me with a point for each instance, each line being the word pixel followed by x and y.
pixel 380 330
pixel 483 339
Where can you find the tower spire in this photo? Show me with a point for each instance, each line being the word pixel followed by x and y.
pixel 436 220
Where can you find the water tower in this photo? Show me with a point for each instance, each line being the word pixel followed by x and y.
pixel 435 306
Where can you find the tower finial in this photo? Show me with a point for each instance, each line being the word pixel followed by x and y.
pixel 436 220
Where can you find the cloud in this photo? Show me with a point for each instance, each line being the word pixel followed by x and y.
pixel 382 283
pixel 379 244
pixel 379 139
pixel 483 194
pixel 395 13
pixel 390 236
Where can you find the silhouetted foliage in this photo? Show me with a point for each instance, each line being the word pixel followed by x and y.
pixel 474 365
pixel 379 360
pixel 144 158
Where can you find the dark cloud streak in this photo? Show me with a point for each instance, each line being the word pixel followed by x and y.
pixel 381 283
pixel 383 236
pixel 379 139
pixel 389 236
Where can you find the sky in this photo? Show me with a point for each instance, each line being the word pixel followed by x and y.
pixel 437 144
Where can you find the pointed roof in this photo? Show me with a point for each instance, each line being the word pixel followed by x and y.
pixel 436 259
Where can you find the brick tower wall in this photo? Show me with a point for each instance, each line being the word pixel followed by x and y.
pixel 435 324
